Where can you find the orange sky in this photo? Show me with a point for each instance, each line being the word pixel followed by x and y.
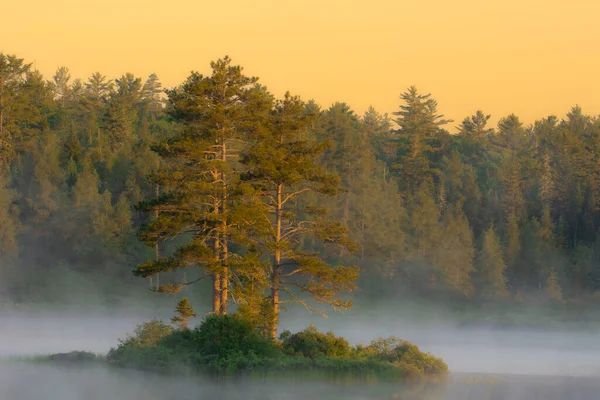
pixel 530 57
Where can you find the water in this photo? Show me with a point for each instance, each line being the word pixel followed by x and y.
pixel 485 364
pixel 26 381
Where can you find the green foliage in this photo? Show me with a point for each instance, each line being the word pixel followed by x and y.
pixel 313 344
pixel 184 312
pixel 490 278
pixel 229 345
pixel 202 200
pixel 415 202
pixel 148 334
pixel 223 344
pixel 283 168
pixel 405 355
pixel 221 337
pixel 258 311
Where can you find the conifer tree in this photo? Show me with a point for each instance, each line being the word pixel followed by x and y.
pixel 455 252
pixel 552 287
pixel 512 240
pixel 13 71
pixel 283 166
pixel 121 116
pixel 489 277
pixel 9 246
pixel 512 137
pixel 201 198
pixel 420 138
pixel 473 134
pixel 184 312
pixel 61 86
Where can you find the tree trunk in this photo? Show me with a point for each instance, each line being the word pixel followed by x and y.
pixel 225 250
pixel 275 279
pixel 216 278
pixel 156 249
pixel 1 109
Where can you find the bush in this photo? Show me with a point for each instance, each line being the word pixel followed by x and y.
pixel 157 358
pixel 221 336
pixel 404 354
pixel 313 344
pixel 221 344
pixel 148 334
pixel 137 349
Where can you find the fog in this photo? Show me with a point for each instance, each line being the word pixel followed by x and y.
pixel 485 363
pixel 25 381
pixel 565 352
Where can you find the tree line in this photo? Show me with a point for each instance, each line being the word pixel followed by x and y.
pixel 275 200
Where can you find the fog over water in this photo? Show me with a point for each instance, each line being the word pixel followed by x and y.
pixel 485 363
pixel 568 352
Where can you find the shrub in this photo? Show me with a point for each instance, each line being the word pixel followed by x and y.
pixel 150 358
pixel 222 336
pixel 405 354
pixel 313 344
pixel 221 344
pixel 148 334
pixel 136 349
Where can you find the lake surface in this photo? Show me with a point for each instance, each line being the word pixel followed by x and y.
pixel 26 381
pixel 485 364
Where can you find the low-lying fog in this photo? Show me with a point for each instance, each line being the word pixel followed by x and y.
pixel 561 362
pixel 479 350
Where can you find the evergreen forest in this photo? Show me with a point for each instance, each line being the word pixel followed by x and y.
pixel 219 188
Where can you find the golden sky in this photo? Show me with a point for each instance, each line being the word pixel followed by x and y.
pixel 530 57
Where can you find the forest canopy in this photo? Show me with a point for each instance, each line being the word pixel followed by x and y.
pixel 98 177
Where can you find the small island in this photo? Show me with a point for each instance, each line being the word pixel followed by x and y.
pixel 230 346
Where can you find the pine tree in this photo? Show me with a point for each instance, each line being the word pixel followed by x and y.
pixel 369 207
pixel 184 311
pixel 61 85
pixel 489 277
pixel 513 240
pixel 151 94
pixel 13 72
pixel 200 195
pixel 92 106
pixel 511 138
pixel 454 254
pixel 121 116
pixel 282 166
pixel 377 128
pixel 44 194
pixel 473 134
pixel 552 288
pixel 9 246
pixel 420 138
pixel 513 202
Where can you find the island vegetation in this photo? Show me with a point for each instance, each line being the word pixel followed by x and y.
pixel 229 345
